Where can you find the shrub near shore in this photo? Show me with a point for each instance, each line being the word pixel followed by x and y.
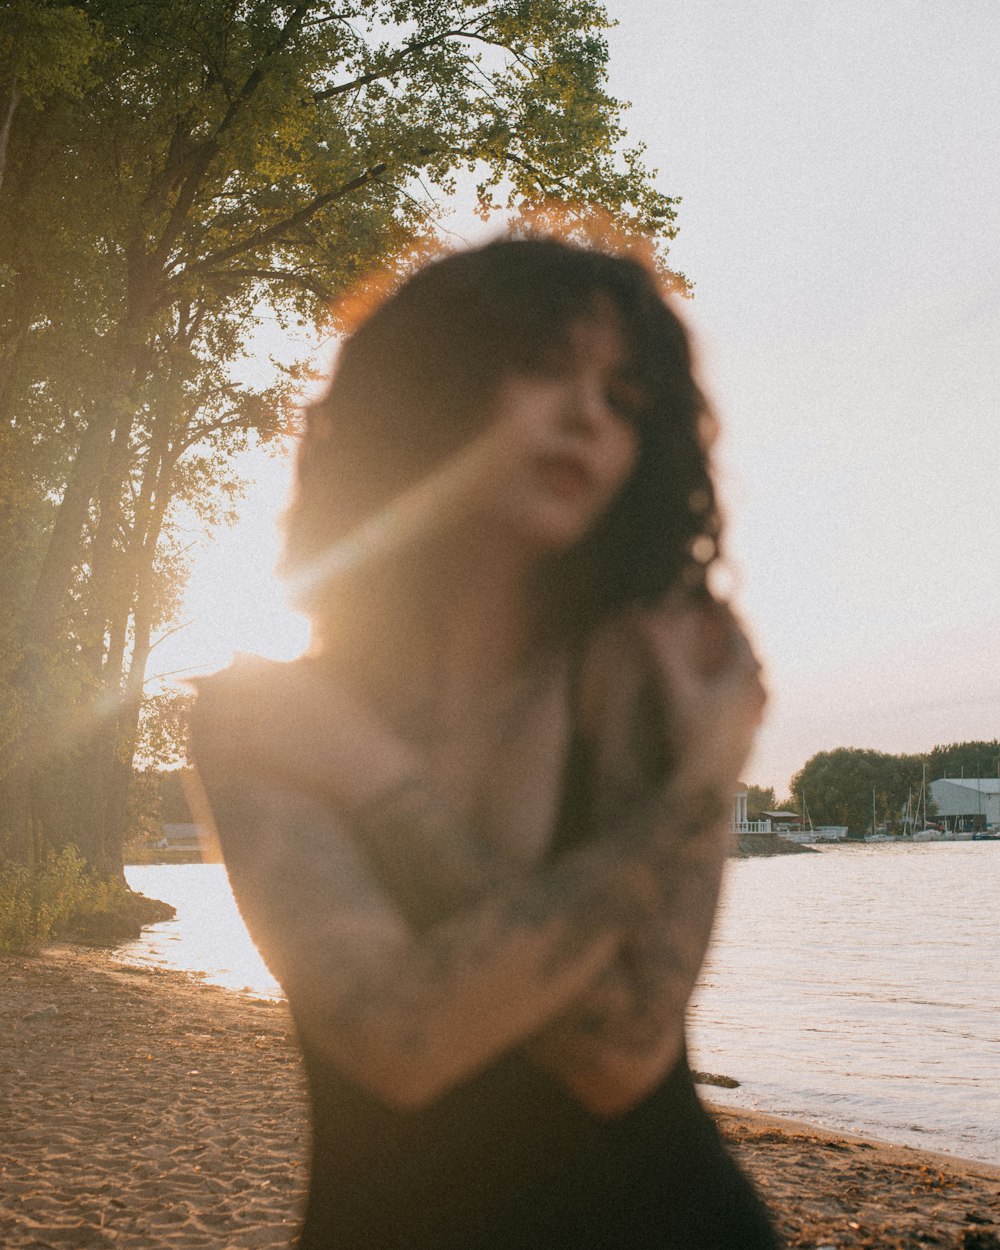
pixel 61 898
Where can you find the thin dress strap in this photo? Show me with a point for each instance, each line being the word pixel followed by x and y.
pixel 573 825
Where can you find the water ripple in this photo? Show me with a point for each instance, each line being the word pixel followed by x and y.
pixel 856 988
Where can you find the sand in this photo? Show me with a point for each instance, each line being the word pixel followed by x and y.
pixel 143 1109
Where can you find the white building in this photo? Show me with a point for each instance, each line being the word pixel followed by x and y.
pixel 967 803
pixel 740 822
pixel 177 837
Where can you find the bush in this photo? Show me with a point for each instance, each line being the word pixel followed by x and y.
pixel 62 899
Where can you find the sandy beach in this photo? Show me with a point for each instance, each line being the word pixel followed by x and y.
pixel 142 1109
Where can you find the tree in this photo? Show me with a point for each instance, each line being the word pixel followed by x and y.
pixel 760 799
pixel 841 787
pixel 838 785
pixel 45 51
pixel 181 167
pixel 964 759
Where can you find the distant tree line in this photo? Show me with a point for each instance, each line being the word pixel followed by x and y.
pixel 838 787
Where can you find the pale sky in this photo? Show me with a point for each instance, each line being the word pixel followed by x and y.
pixel 840 166
pixel 840 172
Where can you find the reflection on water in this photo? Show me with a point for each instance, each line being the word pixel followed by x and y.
pixel 857 987
pixel 207 938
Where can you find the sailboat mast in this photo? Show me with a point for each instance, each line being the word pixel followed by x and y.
pixel 923 796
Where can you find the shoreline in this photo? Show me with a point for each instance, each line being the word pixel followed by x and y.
pixel 146 1108
pixel 762 1121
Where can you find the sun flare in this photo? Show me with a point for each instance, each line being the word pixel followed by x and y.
pixel 234 601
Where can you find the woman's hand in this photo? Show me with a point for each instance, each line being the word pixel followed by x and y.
pixel 711 690
pixel 670 696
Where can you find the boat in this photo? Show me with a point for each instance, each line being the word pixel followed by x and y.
pixel 804 835
pixel 875 836
pixel 929 833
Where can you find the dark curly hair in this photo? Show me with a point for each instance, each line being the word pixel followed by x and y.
pixel 416 381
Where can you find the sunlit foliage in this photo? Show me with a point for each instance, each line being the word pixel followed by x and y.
pixel 171 172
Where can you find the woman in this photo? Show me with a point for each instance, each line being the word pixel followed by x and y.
pixel 478 832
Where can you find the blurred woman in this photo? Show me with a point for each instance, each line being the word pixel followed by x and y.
pixel 478 831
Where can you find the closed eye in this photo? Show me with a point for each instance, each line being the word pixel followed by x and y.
pixel 626 398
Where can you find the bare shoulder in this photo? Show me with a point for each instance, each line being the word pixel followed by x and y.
pixel 244 711
pixel 233 695
pixel 250 683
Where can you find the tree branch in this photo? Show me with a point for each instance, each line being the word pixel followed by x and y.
pixel 175 629
pixel 402 56
pixel 206 152
pixel 531 168
pixel 261 238
pixel 308 282
pixel 195 435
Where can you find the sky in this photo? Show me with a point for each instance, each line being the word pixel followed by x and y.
pixel 839 168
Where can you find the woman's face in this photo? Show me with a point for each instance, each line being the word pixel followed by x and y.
pixel 563 441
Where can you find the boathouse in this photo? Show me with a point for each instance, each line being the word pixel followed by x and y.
pixel 967 804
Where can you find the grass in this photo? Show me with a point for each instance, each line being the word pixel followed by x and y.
pixel 61 898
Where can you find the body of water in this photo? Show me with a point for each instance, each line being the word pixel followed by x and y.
pixel 858 987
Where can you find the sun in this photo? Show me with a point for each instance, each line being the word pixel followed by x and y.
pixel 234 602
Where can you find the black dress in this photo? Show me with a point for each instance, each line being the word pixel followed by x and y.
pixel 508 1160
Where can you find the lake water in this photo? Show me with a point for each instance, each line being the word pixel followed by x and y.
pixel 858 987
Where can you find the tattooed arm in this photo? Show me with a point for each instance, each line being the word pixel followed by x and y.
pixel 626 1028
pixel 282 723
pixel 621 1037
pixel 408 1015
pixel 617 1041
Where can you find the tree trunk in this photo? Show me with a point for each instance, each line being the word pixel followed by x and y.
pixel 115 769
pixel 37 765
pixel 63 551
pixel 13 100
pixel 115 826
pixel 16 829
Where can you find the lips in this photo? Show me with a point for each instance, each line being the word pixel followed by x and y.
pixel 565 475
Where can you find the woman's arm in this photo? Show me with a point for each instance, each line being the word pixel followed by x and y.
pixel 627 1027
pixel 294 729
pixel 410 1015
pixel 627 1030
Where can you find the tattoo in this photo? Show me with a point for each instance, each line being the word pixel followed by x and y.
pixel 640 999
pixel 434 869
pixel 530 938
pixel 430 864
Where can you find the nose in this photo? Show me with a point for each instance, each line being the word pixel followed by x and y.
pixel 586 410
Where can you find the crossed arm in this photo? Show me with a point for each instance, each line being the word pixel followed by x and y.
pixel 586 965
pixel 406 1017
